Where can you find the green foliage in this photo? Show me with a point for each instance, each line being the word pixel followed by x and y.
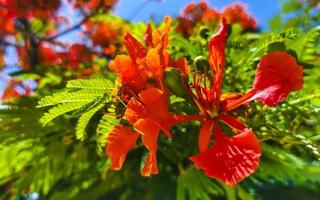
pixel 85 96
pixel 194 185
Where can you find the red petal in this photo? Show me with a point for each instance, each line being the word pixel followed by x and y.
pixel 205 134
pixel 217 46
pixel 230 159
pixel 134 47
pixel 278 74
pixel 147 37
pixel 165 39
pixel 232 122
pixel 150 133
pixel 120 140
pixel 180 64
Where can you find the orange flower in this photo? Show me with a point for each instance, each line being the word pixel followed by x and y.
pixel 147 107
pixel 148 113
pixel 134 70
pixel 107 35
pixel 147 121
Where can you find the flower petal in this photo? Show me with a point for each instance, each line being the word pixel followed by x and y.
pixel 205 134
pixel 152 105
pixel 154 63
pixel 120 140
pixel 150 133
pixel 180 64
pixel 217 47
pixel 232 122
pixel 230 159
pixel 147 37
pixel 134 47
pixel 278 74
pixel 124 67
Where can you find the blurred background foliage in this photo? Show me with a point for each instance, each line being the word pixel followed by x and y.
pixel 58 108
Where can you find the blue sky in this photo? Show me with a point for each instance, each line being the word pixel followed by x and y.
pixel 262 10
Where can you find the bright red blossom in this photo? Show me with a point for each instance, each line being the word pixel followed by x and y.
pixel 237 14
pixel 194 14
pixel 36 8
pixel 231 159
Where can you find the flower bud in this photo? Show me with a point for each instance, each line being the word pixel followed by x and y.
pixel 204 32
pixel 201 64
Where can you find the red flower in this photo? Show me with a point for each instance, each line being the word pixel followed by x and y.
pixel 237 14
pixel 36 8
pixel 79 53
pixel 6 20
pixel 193 14
pixel 14 90
pixel 148 113
pixel 231 159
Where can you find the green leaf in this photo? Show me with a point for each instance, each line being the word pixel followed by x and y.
pixel 194 185
pixel 84 121
pixel 60 110
pixel 84 95
pixel 107 122
pixel 99 84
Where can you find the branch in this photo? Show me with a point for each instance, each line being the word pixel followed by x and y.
pixel 68 30
pixel 86 18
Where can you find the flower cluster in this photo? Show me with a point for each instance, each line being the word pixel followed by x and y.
pixel 93 4
pixel 194 14
pixel 140 77
pixel 107 35
pixel 36 8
